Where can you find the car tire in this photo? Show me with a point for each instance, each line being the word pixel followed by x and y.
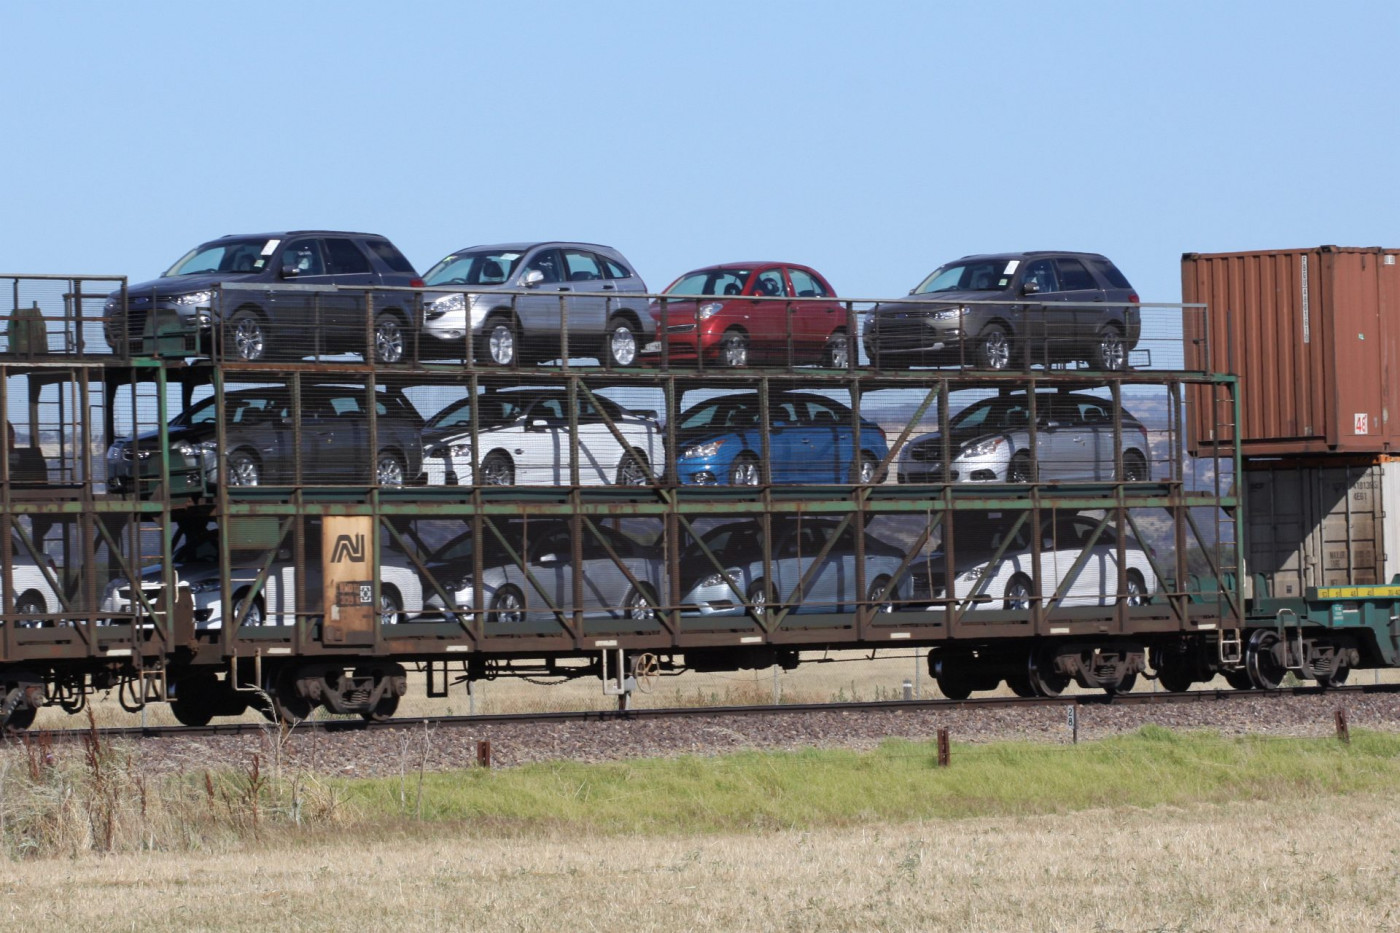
pixel 507 605
pixel 30 603
pixel 244 468
pixel 620 345
pixel 877 587
pixel 640 604
pixel 248 336
pixel 500 342
pixel 390 606
pixel 760 595
pixel 1110 351
pixel 734 349
pixel 1136 594
pixel 389 338
pixel 256 617
pixel 1020 469
pixel 744 471
pixel 389 469
pixel 993 349
pixel 837 354
pixel 865 472
pixel 1134 467
pixel 497 470
pixel 1018 592
pixel 632 470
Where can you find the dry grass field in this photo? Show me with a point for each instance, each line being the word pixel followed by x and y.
pixel 1316 864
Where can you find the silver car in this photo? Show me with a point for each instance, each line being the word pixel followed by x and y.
pixel 797 543
pixel 547 549
pixel 990 442
pixel 512 303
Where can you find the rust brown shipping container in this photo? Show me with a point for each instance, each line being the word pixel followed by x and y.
pixel 1312 336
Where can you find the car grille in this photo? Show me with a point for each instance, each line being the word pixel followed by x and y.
pixel 927 452
pixel 894 333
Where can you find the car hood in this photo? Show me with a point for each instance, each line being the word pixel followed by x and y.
pixel 959 439
pixel 939 300
pixel 184 284
pixel 176 432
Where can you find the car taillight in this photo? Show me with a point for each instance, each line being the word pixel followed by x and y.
pixel 418 283
pixel 1133 297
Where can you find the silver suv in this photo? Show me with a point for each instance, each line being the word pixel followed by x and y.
pixel 1000 310
pixel 513 303
pixel 990 442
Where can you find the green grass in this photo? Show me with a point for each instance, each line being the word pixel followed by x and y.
pixel 898 781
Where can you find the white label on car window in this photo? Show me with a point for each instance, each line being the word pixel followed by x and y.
pixel 269 246
pixel 1011 267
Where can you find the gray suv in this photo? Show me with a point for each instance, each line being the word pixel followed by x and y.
pixel 998 310
pixel 511 304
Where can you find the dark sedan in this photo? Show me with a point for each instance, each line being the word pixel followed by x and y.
pixel 259 430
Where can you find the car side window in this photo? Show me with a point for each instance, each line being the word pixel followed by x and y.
pixel 771 284
pixel 615 270
pixel 546 261
pixel 550 408
pixel 581 266
pixel 304 256
pixel 1093 413
pixel 1073 276
pixel 343 257
pixel 806 285
pixel 1042 273
pixel 1110 272
pixel 822 414
pixel 390 256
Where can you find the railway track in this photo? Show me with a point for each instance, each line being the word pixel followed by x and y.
pixel 331 726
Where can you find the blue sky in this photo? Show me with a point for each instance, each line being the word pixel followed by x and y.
pixel 872 140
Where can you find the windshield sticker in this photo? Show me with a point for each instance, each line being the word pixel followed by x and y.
pixel 1002 283
pixel 1011 267
pixel 269 246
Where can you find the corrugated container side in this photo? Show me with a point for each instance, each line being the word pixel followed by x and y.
pixel 1317 524
pixel 1308 334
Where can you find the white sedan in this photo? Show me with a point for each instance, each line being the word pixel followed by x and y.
pixel 34 594
pixel 1009 583
pixel 524 436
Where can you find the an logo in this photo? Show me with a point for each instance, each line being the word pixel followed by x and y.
pixel 348 548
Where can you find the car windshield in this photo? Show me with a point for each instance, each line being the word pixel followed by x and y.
pixel 720 414
pixel 983 275
pixel 475 267
pixel 711 282
pixel 992 414
pixel 233 257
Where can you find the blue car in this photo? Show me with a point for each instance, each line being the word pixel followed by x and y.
pixel 812 440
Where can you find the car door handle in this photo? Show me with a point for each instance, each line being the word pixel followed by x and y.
pixel 563 288
pixel 608 288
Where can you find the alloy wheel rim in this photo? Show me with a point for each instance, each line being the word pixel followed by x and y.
pixel 623 345
pixel 502 344
pixel 248 339
pixel 998 350
pixel 388 342
pixel 389 473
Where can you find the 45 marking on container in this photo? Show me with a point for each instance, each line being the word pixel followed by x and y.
pixel 1360 423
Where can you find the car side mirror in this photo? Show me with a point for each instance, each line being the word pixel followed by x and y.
pixel 290 271
pixel 549 559
pixel 532 278
pixel 539 424
pixel 1030 288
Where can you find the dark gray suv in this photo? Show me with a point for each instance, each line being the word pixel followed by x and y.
pixel 228 284
pixel 1000 310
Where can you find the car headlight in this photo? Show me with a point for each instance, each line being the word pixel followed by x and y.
pixel 448 304
pixel 949 314
pixel 112 305
pixel 703 451
pixel 194 450
pixel 206 586
pixel 460 450
pixel 983 448
pixel 461 584
pixel 709 309
pixel 973 575
pixel 195 298
pixel 714 579
pixel 114 452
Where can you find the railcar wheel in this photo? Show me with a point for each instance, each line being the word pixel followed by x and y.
pixel 1019 682
pixel 19 720
pixel 1044 679
pixel 1174 678
pixel 1238 679
pixel 384 710
pixel 1264 668
pixel 192 704
pixel 1336 679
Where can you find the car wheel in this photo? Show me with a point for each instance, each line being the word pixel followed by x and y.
pixel 389 469
pixel 632 470
pixel 760 595
pixel 734 349
pixel 30 603
pixel 993 348
pixel 640 604
pixel 244 469
pixel 744 471
pixel 255 617
pixel 1134 467
pixel 620 346
pixel 1110 352
pixel 500 344
pixel 1137 589
pixel 507 605
pixel 497 470
pixel 388 338
pixel 1020 470
pixel 1018 592
pixel 249 336
pixel 865 471
pixel 838 351
pixel 390 609
pixel 876 598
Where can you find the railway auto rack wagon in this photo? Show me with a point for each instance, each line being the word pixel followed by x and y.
pixel 187 526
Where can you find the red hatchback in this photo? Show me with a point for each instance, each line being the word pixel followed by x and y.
pixel 746 312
